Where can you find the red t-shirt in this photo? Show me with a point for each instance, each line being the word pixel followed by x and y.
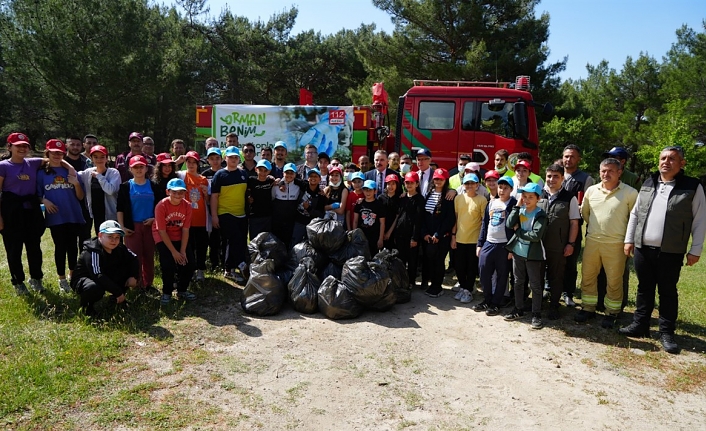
pixel 351 201
pixel 172 218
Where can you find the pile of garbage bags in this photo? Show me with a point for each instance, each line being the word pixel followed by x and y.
pixel 331 272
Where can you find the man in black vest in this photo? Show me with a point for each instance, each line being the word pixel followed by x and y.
pixel 559 240
pixel 577 182
pixel 668 201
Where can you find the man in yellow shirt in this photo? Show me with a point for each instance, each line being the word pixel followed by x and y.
pixel 606 208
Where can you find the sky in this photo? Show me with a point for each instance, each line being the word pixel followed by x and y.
pixel 587 31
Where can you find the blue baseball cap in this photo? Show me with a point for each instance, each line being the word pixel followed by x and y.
pixel 617 153
pixel 370 184
pixel 289 167
pixel 357 176
pixel 232 151
pixel 532 188
pixel 279 144
pixel 506 180
pixel 213 150
pixel 264 163
pixel 424 152
pixel 176 184
pixel 314 171
pixel 470 177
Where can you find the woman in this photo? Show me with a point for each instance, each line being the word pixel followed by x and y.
pixel 137 198
pixel 163 172
pixel 337 194
pixel 100 184
pixel 439 219
pixel 21 221
pixel 198 197
pixel 61 195
pixel 408 232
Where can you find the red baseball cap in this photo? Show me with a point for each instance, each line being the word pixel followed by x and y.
pixel 332 169
pixel 164 157
pixel 523 163
pixel 391 177
pixel 193 155
pixel 412 176
pixel 138 160
pixel 18 139
pixel 99 149
pixel 441 174
pixel 56 145
pixel 492 174
pixel 133 135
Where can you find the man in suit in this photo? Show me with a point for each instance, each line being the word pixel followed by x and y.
pixel 425 171
pixel 380 172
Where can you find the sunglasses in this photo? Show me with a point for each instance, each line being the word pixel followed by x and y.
pixel 248 150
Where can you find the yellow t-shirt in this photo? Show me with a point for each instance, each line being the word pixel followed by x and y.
pixel 607 212
pixel 469 216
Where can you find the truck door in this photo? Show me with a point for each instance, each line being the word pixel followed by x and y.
pixel 467 129
pixel 438 128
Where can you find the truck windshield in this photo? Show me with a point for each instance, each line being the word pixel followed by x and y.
pixel 498 118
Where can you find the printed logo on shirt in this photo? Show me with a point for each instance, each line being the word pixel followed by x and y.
pixel 59 183
pixel 497 216
pixel 368 217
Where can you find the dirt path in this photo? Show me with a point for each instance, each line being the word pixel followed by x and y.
pixel 428 364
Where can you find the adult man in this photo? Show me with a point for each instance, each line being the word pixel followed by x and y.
pixel 249 159
pixel 89 141
pixel 577 182
pixel 669 203
pixel 148 150
pixel 559 240
pixel 622 155
pixel 393 161
pixel 73 154
pixel 501 165
pixel 228 189
pixel 457 173
pixel 425 172
pixel 310 162
pixel 280 160
pixel 266 154
pixel 231 140
pixel 123 160
pixel 364 163
pixel 380 172
pixel 178 149
pixel 606 208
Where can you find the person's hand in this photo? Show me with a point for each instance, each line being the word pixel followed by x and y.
pixel 131 283
pixel 520 202
pixel 691 259
pixel 380 244
pixel 181 159
pixel 73 179
pixel 335 205
pixel 128 232
pixel 509 256
pixel 434 239
pixel 629 249
pixel 453 243
pixel 306 204
pixel 49 206
pixel 179 258
pixel 451 195
pixel 412 243
pixel 568 250
pixel 204 189
pixel 427 238
pixel 148 222
pixel 120 299
pixel 478 251
pixel 214 221
pixel 250 200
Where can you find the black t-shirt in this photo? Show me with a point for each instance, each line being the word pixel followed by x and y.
pixel 78 164
pixel 391 206
pixel 261 192
pixel 97 200
pixel 369 215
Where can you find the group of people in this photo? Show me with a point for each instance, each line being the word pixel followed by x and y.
pixel 498 225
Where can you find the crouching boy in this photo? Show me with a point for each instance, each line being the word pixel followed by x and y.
pixel 105 265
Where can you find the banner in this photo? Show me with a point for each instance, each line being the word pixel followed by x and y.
pixel 329 128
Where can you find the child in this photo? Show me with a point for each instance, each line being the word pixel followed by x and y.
pixel 170 230
pixel 259 195
pixel 337 194
pixel 529 222
pixel 197 187
pixel 216 244
pixel 312 203
pixel 469 208
pixel 355 195
pixel 494 259
pixel 391 203
pixel 369 216
pixel 285 198
pixel 408 232
pixel 105 265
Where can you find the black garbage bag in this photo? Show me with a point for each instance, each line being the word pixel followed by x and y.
pixel 267 246
pixel 331 269
pixel 304 288
pixel 337 302
pixel 399 280
pixel 388 300
pixel 285 274
pixel 367 281
pixel 326 235
pixel 264 294
pixel 305 249
pixel 356 245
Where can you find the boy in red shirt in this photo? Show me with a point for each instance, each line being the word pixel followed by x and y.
pixel 170 230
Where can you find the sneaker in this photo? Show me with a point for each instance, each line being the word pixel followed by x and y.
pixel 609 321
pixel 229 273
pixel 21 289
pixel 459 294
pixel 483 306
pixel 243 267
pixel 466 297
pixel 238 277
pixel 569 301
pixel 64 285
pixel 456 288
pixel 36 285
pixel 546 295
pixel 634 330
pixel 514 314
pixel 537 321
pixel 583 316
pixel 669 343
pixel 198 276
pixel 434 294
pixel 186 296
pixel 492 311
pixel 165 299
pixel 507 301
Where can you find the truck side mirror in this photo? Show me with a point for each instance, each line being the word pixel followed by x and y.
pixel 519 113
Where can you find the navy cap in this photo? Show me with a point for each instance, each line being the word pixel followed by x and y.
pixel 424 152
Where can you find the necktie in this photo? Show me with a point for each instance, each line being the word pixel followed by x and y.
pixel 421 185
pixel 380 183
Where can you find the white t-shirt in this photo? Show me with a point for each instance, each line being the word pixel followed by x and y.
pixel 497 212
